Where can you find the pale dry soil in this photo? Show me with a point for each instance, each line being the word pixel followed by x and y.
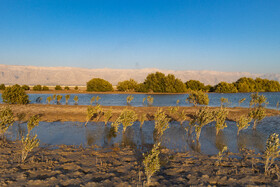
pixel 78 166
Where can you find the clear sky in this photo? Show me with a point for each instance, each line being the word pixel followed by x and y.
pixel 222 35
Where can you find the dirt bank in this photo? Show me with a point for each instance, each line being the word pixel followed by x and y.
pixel 52 113
pixel 78 166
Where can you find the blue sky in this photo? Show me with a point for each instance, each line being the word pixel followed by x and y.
pixel 222 35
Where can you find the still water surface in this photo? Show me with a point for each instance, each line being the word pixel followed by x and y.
pixel 159 99
pixel 174 138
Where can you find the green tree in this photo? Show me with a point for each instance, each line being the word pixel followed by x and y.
pixel 245 84
pixel 58 87
pixel 128 85
pixel 195 85
pixel 45 88
pixel 76 88
pixel 224 87
pixel 66 88
pixel 37 87
pixel 2 86
pixel 198 97
pixel 15 95
pixel 25 87
pixel 99 85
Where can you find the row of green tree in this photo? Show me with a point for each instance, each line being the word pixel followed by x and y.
pixel 159 82
pixel 39 87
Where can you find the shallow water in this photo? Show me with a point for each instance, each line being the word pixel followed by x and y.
pixel 159 99
pixel 174 138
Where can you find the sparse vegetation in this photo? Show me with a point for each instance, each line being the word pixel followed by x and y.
pixel 161 124
pixel 6 119
pixel 241 101
pixel 127 118
pixel 58 98
pixel 93 111
pixel 58 87
pixel 219 117
pixel 272 151
pixel 49 99
pixel 142 119
pixel 66 88
pixel 76 99
pixel 32 122
pixel 243 123
pixel 76 88
pixel 150 100
pixel 129 99
pixel 28 143
pixel 108 114
pixel 67 97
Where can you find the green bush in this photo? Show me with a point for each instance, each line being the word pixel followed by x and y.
pixel 128 85
pixel 25 87
pixel 66 88
pixel 99 85
pixel 195 85
pixel 58 87
pixel 2 86
pixel 224 87
pixel 76 88
pixel 158 82
pixel 45 88
pixel 15 95
pixel 198 97
pixel 37 87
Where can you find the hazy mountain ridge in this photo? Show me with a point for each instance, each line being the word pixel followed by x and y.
pixel 32 75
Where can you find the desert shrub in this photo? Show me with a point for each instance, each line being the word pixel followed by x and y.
pixel 29 143
pixel 58 87
pixel 258 100
pixel 15 95
pixel 129 99
pixel 128 85
pixel 219 117
pixel 66 88
pixel 32 122
pixel 6 119
pixel 2 86
pixel 37 87
pixel 127 118
pixel 201 118
pixel 161 124
pixel 142 119
pixel 151 162
pixel 45 88
pixel 67 97
pixel 107 115
pixel 92 100
pixel 224 102
pixel 257 114
pixel 99 85
pixel 243 123
pixel 76 99
pixel 93 111
pixel 76 88
pixel 198 97
pixel 25 87
pixel 272 150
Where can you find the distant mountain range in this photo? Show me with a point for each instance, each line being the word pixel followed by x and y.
pixel 32 75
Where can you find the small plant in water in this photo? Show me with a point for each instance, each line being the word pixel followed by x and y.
pixel 49 99
pixel 127 118
pixel 177 102
pixel 58 98
pixel 97 99
pixel 277 105
pixel 243 123
pixel 92 100
pixel 173 110
pixel 67 97
pixel 142 119
pixel 32 122
pixel 76 99
pixel 241 101
pixel 225 102
pixel 182 116
pixel 93 111
pixel 257 114
pixel 272 151
pixel 108 114
pixel 143 100
pixel 150 100
pixel 220 116
pixel 6 119
pixel 202 117
pixel 221 154
pixel 258 100
pixel 151 162
pixel 129 99
pixel 198 97
pixel 54 98
pixel 161 124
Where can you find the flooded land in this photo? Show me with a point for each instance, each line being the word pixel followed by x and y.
pixel 72 154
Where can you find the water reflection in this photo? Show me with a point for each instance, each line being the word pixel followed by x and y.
pixel 175 138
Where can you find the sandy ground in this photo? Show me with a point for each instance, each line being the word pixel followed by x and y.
pixel 122 166
pixel 51 113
